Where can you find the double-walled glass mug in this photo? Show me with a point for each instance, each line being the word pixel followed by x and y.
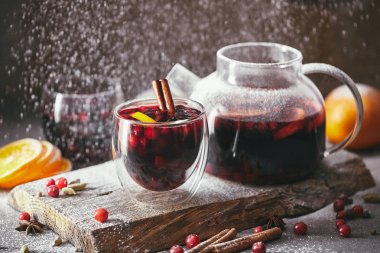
pixel 160 163
pixel 266 118
pixel 79 120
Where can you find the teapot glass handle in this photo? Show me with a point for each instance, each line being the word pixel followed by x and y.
pixel 321 68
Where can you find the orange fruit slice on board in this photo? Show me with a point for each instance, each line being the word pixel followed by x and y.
pixel 43 168
pixel 27 160
pixel 32 172
pixel 53 164
pixel 18 156
pixel 65 167
pixel 49 151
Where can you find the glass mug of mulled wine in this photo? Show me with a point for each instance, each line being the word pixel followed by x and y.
pixel 162 162
pixel 266 118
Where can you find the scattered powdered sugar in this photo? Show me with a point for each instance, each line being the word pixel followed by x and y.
pixel 88 42
pixel 78 45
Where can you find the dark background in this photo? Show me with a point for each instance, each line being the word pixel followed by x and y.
pixel 138 41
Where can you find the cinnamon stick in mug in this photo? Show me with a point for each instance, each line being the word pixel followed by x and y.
pixel 168 96
pixel 157 87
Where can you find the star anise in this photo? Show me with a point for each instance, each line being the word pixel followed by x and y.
pixel 273 221
pixel 31 227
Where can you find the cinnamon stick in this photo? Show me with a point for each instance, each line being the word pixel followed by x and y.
pixel 227 237
pixel 208 242
pixel 157 87
pixel 247 241
pixel 168 97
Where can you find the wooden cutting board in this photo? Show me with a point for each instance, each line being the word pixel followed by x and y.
pixel 218 204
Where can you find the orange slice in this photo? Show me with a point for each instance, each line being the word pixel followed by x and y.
pixel 49 151
pixel 53 164
pixel 65 167
pixel 32 171
pixel 18 156
pixel 142 117
pixel 296 121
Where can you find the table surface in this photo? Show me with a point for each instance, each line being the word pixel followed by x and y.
pixel 322 235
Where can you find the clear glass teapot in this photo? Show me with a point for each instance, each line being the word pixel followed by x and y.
pixel 266 118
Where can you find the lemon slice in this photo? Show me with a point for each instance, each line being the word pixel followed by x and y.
pixel 18 155
pixel 142 117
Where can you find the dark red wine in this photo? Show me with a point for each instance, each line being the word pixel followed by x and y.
pixel 255 148
pixel 160 157
pixel 83 138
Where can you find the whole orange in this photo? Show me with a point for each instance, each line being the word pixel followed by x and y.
pixel 341 116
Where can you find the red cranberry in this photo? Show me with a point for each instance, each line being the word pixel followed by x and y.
pixel 165 130
pixel 160 161
pixel 61 182
pixel 137 130
pixel 141 151
pixel 358 210
pixel 192 241
pixel 258 247
pixel 132 141
pixel 101 215
pixel 50 181
pixel 339 222
pixel 176 249
pixel 345 230
pixel 343 197
pixel 150 133
pixel 300 228
pixel 142 142
pixel 53 191
pixel 258 229
pixel 341 215
pixel 24 216
pixel 185 131
pixel 83 117
pixel 273 125
pixel 339 205
pixel 262 127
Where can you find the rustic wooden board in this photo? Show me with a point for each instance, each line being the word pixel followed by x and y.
pixel 218 204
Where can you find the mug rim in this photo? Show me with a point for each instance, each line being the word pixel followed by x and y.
pixel 160 124
pixel 298 55
pixel 53 92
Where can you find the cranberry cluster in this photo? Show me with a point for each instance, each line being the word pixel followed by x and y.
pixel 357 211
pixel 54 186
